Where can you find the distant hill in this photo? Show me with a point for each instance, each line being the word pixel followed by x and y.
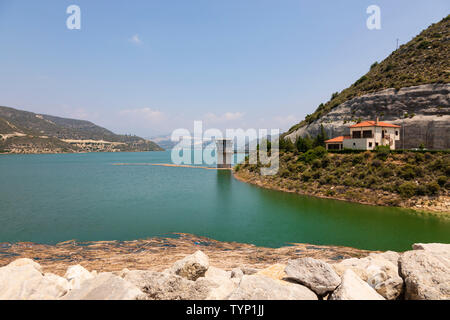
pixel 28 132
pixel 411 87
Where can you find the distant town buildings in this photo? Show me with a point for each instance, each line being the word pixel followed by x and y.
pixel 367 135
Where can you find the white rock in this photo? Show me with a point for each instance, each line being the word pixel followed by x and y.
pixel 24 262
pixel 237 273
pixel 257 287
pixel 426 274
pixel 391 256
pixel 105 286
pixel 76 275
pixel 217 273
pixel 23 281
pixel 354 288
pixel 442 249
pixel 220 283
pixel 191 267
pixel 380 273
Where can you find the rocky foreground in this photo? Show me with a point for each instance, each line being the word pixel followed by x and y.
pixel 420 274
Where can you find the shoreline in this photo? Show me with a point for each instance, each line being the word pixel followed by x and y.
pixel 158 253
pixel 256 181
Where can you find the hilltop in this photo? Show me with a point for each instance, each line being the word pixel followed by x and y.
pixel 410 87
pixel 28 132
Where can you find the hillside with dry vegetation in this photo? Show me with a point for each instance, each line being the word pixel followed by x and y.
pixel 28 132
pixel 423 60
pixel 417 180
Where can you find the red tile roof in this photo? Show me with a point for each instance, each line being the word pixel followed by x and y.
pixel 338 139
pixel 374 124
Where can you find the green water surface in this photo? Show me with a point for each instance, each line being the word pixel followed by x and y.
pixel 54 198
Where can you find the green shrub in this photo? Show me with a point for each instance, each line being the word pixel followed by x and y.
pixel 326 161
pixel 316 153
pixel 386 172
pixel 357 159
pixel 421 190
pixel 442 180
pixel 376 163
pixel 284 173
pixel 306 176
pixel 407 189
pixel 316 163
pixel 349 182
pixel 382 152
pixel 433 188
pixel 316 174
pixel 407 172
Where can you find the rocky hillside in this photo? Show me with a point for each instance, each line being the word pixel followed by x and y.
pixel 420 274
pixel 27 132
pixel 410 88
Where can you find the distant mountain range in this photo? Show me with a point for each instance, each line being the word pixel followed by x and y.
pixel 28 132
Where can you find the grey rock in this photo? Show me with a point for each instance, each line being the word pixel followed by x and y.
pixel 429 103
pixel 256 287
pixel 105 286
pixel 354 288
pixel 167 286
pixel 426 274
pixel 317 275
pixel 191 267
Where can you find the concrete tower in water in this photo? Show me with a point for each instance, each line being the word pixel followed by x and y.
pixel 224 153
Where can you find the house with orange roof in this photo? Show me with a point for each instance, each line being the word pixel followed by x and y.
pixel 367 135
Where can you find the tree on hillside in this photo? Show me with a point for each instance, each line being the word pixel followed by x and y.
pixel 319 141
pixel 304 144
pixel 286 144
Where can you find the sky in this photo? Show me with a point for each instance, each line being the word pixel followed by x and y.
pixel 147 67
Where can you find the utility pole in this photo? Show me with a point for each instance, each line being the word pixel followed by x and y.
pixel 397 43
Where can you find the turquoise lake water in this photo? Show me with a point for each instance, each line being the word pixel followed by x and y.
pixel 53 198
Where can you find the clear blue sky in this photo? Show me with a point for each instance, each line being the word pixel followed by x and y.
pixel 148 67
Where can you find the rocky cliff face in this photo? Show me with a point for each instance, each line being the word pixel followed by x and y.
pixel 422 111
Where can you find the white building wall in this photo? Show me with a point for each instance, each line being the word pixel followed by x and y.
pixel 362 144
pixel 359 144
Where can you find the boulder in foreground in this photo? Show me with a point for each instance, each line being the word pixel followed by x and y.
pixel 23 280
pixel 105 286
pixel 257 287
pixel 317 275
pixel 426 272
pixel 191 267
pixel 353 288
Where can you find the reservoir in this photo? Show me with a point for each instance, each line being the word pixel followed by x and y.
pixel 53 198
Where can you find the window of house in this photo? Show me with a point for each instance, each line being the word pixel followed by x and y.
pixel 367 134
pixel 356 134
pixel 370 144
pixel 396 133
